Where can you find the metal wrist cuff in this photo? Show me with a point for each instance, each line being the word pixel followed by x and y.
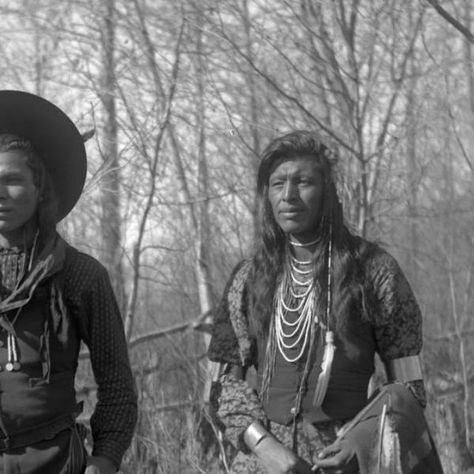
pixel 254 434
pixel 404 369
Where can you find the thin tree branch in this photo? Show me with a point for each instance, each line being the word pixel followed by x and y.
pixel 195 324
pixel 452 21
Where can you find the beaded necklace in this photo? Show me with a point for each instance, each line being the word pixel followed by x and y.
pixel 13 359
pixel 298 293
pixel 295 296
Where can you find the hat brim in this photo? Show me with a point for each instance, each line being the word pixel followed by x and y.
pixel 54 136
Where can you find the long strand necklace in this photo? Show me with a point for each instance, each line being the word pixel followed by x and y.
pixel 13 358
pixel 295 296
pixel 306 314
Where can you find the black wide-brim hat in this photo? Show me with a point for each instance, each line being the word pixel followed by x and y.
pixel 54 137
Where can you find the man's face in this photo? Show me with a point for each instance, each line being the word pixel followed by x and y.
pixel 295 191
pixel 18 194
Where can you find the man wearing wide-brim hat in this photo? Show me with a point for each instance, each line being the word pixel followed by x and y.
pixel 51 297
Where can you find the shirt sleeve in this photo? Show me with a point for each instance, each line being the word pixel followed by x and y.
pixel 237 405
pixel 397 316
pixel 115 414
pixel 224 346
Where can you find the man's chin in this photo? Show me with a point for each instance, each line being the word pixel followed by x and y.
pixel 294 230
pixel 290 226
pixel 7 228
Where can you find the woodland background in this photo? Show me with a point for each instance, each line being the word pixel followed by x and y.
pixel 178 98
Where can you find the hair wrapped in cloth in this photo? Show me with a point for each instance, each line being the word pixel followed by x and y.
pixel 390 435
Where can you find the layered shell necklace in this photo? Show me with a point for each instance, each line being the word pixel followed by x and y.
pixel 295 305
pixel 296 321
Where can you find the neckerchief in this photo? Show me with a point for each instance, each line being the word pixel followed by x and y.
pixel 48 262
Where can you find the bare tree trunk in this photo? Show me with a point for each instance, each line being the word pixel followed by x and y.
pixel 202 244
pixel 469 68
pixel 110 185
pixel 412 169
pixel 254 112
pixel 468 64
pixel 454 455
pixel 163 123
pixel 458 320
pixel 458 457
pixel 470 77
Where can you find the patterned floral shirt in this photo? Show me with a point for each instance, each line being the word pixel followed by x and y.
pixel 396 324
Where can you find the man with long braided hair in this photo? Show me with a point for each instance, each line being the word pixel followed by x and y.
pixel 298 328
pixel 52 297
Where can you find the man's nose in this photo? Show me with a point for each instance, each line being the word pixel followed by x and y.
pixel 290 191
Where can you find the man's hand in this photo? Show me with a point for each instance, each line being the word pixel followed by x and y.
pixel 338 458
pixel 278 459
pixel 99 465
